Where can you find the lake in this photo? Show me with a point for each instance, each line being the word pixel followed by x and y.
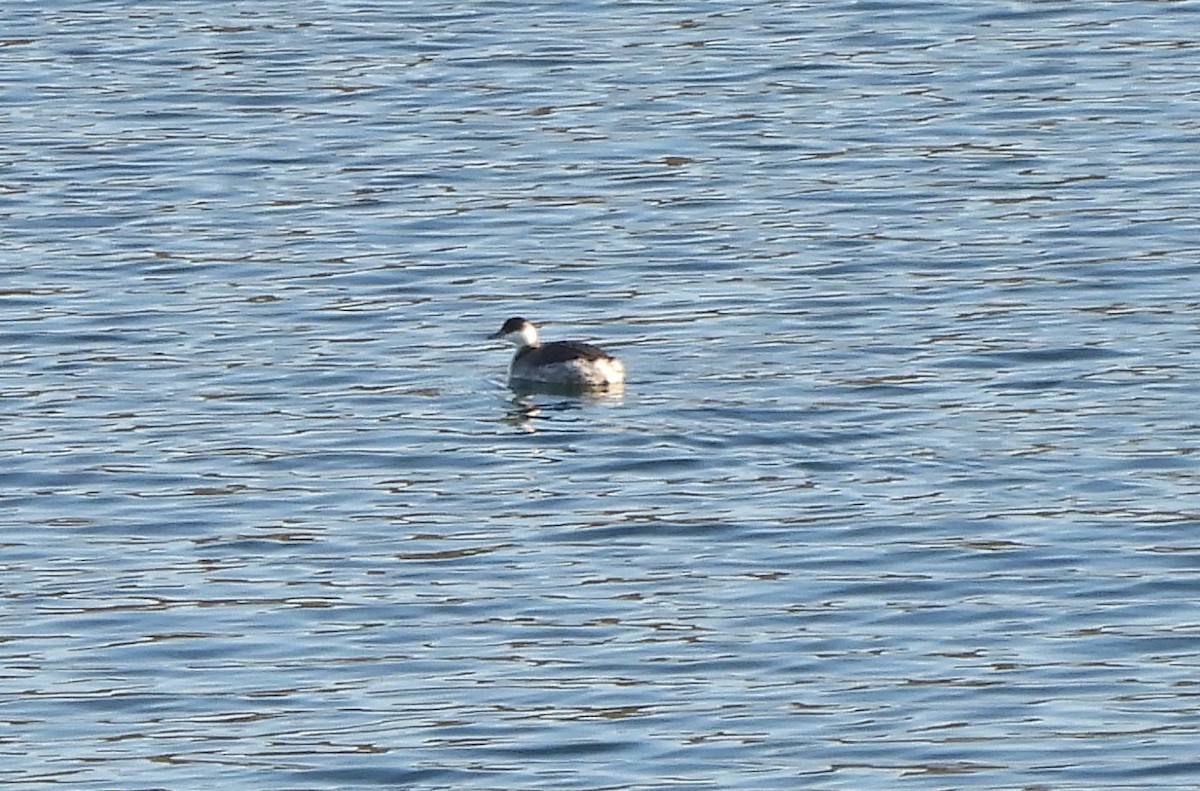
pixel 902 492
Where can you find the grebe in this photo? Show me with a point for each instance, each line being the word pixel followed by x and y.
pixel 567 364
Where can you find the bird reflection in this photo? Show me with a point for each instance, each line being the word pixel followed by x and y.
pixel 527 409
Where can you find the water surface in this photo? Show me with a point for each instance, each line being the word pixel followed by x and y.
pixel 902 491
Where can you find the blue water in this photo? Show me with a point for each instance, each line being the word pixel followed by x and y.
pixel 902 492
